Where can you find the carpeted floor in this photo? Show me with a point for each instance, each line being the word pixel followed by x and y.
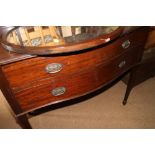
pixel 102 111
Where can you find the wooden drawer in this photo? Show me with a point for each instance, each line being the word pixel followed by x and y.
pixel 115 67
pixel 30 72
pixel 77 85
pixel 41 95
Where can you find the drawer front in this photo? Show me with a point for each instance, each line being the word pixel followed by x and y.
pixel 55 90
pixel 28 72
pixel 116 67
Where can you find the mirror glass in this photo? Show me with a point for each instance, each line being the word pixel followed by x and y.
pixel 55 35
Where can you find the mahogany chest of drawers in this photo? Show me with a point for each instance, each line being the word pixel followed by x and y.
pixel 30 82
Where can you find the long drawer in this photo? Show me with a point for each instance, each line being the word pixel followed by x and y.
pixel 32 71
pixel 54 90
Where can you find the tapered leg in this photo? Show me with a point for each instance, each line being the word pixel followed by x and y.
pixel 130 85
pixel 23 122
pixel 128 90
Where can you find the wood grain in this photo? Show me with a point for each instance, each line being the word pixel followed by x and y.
pixel 151 39
pixel 27 86
pixel 28 72
pixel 76 85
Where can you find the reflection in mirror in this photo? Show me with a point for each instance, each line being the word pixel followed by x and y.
pixel 55 35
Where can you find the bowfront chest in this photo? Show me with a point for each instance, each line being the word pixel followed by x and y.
pixel 32 81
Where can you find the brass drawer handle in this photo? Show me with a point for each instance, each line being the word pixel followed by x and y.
pixel 121 64
pixel 58 91
pixel 126 44
pixel 53 68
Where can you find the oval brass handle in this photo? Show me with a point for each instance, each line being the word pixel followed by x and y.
pixel 53 68
pixel 58 91
pixel 126 44
pixel 122 63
